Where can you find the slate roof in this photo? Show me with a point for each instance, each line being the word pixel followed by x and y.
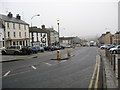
pixel 13 19
pixel 35 29
pixel 66 38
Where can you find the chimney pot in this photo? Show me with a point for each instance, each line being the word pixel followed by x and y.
pixel 10 15
pixel 18 16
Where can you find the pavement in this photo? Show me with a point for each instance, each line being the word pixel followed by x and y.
pixel 109 79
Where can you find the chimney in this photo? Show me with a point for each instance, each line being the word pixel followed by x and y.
pixel 18 16
pixel 43 26
pixel 10 15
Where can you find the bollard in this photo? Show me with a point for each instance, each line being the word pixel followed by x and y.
pixel 68 53
pixel 58 55
pixel 114 65
pixel 119 73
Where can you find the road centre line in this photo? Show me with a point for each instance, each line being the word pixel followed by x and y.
pixel 93 75
pixel 6 73
pixel 33 67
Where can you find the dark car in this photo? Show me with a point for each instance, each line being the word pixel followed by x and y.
pixel 41 49
pixel 49 48
pixel 26 50
pixel 34 49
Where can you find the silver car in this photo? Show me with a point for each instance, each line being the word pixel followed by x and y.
pixel 16 50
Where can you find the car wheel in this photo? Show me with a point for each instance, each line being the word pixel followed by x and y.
pixel 114 52
pixel 3 53
pixel 16 53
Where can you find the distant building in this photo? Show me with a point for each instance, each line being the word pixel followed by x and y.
pixel 16 30
pixel 119 15
pixel 69 40
pixel 117 38
pixel 53 39
pixel 38 37
pixel 106 38
pixel 2 43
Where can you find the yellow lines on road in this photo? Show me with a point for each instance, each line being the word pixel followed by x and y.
pixel 97 77
pixel 96 71
pixel 93 75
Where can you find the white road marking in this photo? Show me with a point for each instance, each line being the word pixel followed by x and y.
pixel 7 73
pixel 63 61
pixel 48 64
pixel 33 67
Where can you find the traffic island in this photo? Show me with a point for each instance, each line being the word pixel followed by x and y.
pixel 65 57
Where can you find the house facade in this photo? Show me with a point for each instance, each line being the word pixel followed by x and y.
pixel 38 37
pixel 106 38
pixel 117 38
pixel 2 43
pixel 16 30
pixel 53 39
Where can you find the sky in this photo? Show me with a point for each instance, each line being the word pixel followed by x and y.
pixel 82 18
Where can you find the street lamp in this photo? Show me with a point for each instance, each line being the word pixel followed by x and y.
pixel 31 26
pixel 58 22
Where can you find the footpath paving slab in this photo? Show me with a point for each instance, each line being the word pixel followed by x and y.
pixel 110 79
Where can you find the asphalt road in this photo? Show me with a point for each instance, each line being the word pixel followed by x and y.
pixel 41 72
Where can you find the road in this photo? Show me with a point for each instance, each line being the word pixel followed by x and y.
pixel 83 70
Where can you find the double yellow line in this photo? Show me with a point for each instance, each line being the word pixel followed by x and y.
pixel 95 72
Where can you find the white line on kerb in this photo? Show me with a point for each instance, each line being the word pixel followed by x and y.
pixel 33 67
pixel 48 64
pixel 6 73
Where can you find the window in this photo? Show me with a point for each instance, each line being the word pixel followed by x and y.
pixel 13 25
pixel 19 34
pixel 19 27
pixel 8 34
pixel 14 34
pixel 26 43
pixel 20 42
pixel 13 43
pixel 8 25
pixel 25 27
pixel 25 34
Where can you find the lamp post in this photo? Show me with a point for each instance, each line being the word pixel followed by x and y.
pixel 58 22
pixel 31 26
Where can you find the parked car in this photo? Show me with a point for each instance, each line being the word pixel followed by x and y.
pixel 111 46
pixel 34 49
pixel 16 50
pixel 115 50
pixel 104 46
pixel 68 46
pixel 56 47
pixel 49 48
pixel 26 50
pixel 41 49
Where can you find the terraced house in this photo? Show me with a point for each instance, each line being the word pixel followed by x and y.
pixel 16 30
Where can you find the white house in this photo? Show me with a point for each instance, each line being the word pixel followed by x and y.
pixel 2 43
pixel 16 30
pixel 38 37
pixel 53 39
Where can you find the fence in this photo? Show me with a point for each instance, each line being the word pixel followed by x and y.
pixel 114 60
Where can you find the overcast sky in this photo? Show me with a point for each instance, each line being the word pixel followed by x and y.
pixel 77 17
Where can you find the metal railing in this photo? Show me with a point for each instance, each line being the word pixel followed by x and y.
pixel 114 60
